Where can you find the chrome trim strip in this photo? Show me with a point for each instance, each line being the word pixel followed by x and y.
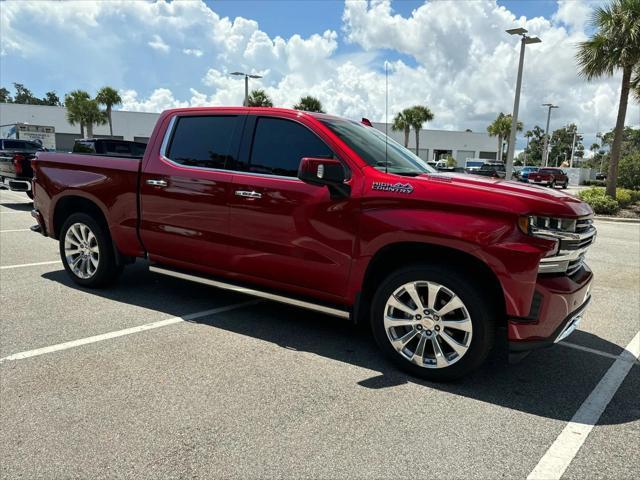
pixel 167 136
pixel 250 291
pixel 574 322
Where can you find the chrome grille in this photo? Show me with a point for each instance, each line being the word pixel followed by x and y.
pixel 575 237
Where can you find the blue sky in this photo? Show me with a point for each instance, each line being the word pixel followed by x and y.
pixel 451 55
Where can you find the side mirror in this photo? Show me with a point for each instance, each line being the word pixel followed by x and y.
pixel 324 172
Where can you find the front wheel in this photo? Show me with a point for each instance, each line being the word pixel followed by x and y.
pixel 553 184
pixel 433 322
pixel 566 184
pixel 87 252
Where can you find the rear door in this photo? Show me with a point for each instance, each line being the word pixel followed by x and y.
pixel 286 232
pixel 184 190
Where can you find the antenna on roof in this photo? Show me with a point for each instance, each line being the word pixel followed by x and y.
pixel 386 117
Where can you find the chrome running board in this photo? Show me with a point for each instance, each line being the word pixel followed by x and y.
pixel 250 291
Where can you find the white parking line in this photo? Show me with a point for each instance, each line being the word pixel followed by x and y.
pixel 122 333
pixel 16 230
pixel 554 463
pixel 4 212
pixel 14 196
pixel 7 267
pixel 593 350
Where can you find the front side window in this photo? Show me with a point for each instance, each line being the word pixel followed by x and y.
pixel 378 150
pixel 203 141
pixel 279 145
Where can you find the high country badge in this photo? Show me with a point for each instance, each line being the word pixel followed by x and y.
pixel 392 187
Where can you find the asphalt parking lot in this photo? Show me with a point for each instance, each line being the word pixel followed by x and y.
pixel 158 377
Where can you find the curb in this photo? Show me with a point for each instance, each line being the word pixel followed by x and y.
pixel 617 219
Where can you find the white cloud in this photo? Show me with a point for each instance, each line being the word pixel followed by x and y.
pixel 192 51
pixel 456 58
pixel 158 44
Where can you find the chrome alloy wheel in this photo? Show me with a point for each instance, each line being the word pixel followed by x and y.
pixel 81 250
pixel 428 324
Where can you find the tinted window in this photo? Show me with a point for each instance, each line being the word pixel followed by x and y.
pixel 203 141
pixel 14 144
pixel 375 148
pixel 278 146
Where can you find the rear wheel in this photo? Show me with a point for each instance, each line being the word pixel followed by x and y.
pixel 87 252
pixel 566 184
pixel 553 184
pixel 433 322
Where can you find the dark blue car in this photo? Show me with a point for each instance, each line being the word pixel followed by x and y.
pixel 523 176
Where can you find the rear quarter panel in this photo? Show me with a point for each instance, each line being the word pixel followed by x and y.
pixel 109 182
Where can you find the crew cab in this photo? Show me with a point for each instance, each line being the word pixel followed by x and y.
pixel 551 177
pixel 15 164
pixel 330 215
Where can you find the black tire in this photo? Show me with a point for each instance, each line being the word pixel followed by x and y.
pixel 482 313
pixel 552 184
pixel 107 271
pixel 566 184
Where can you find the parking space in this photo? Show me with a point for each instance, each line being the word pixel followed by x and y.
pixel 265 390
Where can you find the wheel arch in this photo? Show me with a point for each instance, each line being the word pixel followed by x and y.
pixel 70 204
pixel 398 255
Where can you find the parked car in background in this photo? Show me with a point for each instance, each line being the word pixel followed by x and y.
pixel 551 177
pixel 15 164
pixel 601 176
pixel 494 170
pixel 109 146
pixel 523 175
pixel 330 215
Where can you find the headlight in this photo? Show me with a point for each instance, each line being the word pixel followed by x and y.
pixel 545 228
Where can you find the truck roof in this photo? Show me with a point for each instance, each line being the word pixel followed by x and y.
pixel 247 110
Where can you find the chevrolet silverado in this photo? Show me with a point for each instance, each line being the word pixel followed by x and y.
pixel 329 215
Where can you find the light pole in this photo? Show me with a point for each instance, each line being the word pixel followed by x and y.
pixel 599 137
pixel 246 76
pixel 545 149
pixel 516 103
pixel 573 146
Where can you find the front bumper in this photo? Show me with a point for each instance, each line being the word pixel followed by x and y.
pixel 559 303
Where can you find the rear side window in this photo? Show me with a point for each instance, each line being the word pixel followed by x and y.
pixel 203 141
pixel 278 146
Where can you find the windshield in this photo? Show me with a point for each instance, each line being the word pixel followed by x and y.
pixel 374 147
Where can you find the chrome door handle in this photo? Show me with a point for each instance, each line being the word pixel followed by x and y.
pixel 156 183
pixel 247 194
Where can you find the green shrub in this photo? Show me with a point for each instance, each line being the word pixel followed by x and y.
pixel 601 204
pixel 629 171
pixel 623 196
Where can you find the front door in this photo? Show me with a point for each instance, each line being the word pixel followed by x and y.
pixel 184 192
pixel 285 231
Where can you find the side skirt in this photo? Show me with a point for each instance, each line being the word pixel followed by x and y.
pixel 251 291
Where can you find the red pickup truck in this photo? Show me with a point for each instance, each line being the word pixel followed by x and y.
pixel 327 214
pixel 551 177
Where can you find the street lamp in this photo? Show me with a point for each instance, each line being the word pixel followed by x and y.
pixel 545 149
pixel 525 40
pixel 246 76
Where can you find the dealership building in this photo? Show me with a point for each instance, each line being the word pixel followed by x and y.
pixel 137 126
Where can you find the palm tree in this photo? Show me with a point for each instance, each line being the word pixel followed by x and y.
pixel 259 98
pixel 109 97
pixel 417 116
pixel 74 102
pixel 501 128
pixel 496 129
pixel 401 124
pixel 615 45
pixel 309 104
pixel 92 115
pixel 528 136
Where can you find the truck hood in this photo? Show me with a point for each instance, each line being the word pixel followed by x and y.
pixel 510 196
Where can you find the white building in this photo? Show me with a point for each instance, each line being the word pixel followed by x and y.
pixel 437 144
pixel 434 144
pixel 126 125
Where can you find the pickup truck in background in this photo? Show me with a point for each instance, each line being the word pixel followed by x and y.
pixel 551 177
pixel 329 215
pixel 109 146
pixel 493 170
pixel 15 164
